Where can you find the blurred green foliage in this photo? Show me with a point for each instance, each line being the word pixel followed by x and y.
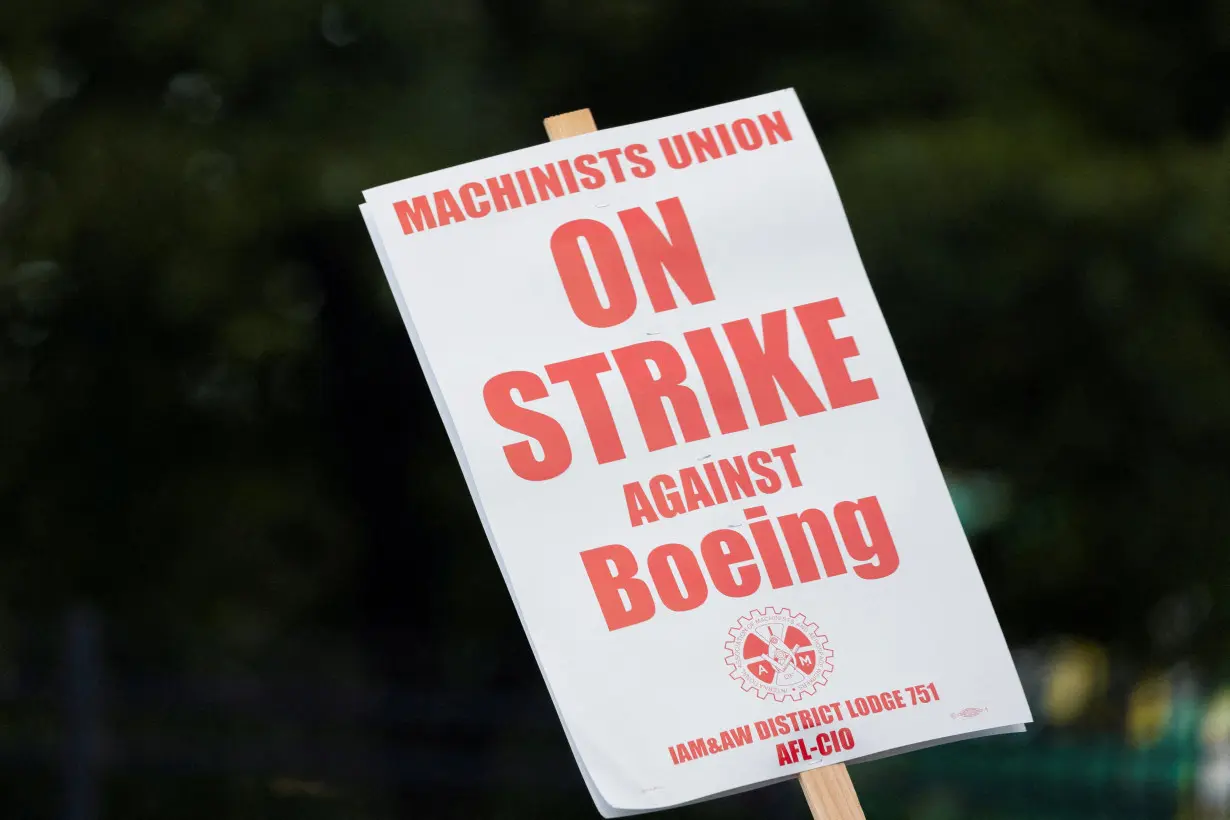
pixel 212 428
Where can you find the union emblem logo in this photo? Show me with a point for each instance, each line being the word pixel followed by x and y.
pixel 778 654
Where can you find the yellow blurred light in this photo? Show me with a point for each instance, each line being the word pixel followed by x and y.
pixel 1216 726
pixel 1076 674
pixel 1148 712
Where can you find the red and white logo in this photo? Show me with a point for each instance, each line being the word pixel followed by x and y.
pixel 779 654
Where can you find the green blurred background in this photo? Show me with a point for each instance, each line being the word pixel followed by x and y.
pixel 219 462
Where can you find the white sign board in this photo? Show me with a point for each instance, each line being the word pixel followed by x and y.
pixel 696 453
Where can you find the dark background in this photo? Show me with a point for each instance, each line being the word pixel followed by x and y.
pixel 240 574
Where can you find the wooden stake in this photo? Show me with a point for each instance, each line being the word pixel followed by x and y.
pixel 829 792
pixel 571 124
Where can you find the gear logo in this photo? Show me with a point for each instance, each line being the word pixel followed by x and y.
pixel 778 654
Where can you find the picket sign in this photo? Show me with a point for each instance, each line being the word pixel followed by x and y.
pixel 830 793
pixel 726 580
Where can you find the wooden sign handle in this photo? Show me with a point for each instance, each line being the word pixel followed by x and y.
pixel 571 124
pixel 829 792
